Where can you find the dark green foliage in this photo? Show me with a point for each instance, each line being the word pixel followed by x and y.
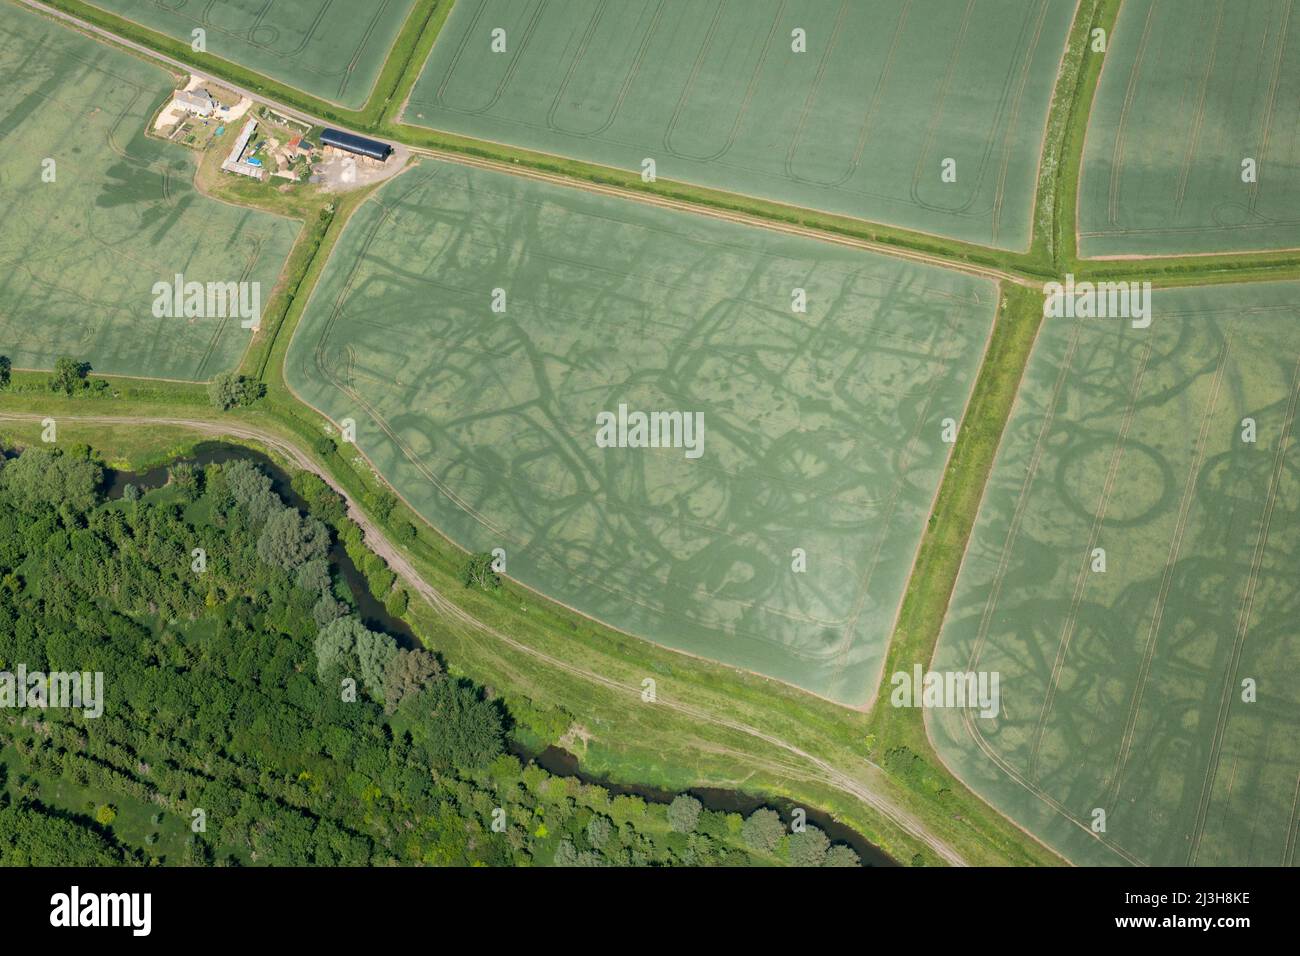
pixel 381 505
pixel 396 602
pixel 763 830
pixel 289 540
pixel 408 673
pixel 380 580
pixel 478 572
pixel 69 375
pixel 327 609
pixel 324 446
pixel 336 646
pixel 841 855
pixel 684 813
pixel 313 575
pixel 36 835
pixel 454 724
pixel 231 389
pixel 547 724
pixel 322 500
pixel 374 651
pixel 251 490
pixel 6 369
pixel 357 651
pixel 808 847
pixel 599 830
pixel 42 476
pixel 185 477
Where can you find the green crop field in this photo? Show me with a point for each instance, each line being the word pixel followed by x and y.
pixel 1123 684
pixel 82 253
pixel 332 49
pixel 822 430
pixel 1190 90
pixel 859 123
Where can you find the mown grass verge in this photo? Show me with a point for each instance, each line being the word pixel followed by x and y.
pixel 901 731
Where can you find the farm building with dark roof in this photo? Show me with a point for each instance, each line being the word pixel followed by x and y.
pixel 356 144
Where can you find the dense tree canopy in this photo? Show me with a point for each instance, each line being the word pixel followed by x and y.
pixel 223 694
pixel 43 476
pixel 230 389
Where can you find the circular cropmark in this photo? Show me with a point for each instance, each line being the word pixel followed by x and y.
pixel 1141 485
pixel 1231 214
pixel 264 36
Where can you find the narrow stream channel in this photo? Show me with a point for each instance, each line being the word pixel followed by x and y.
pixel 561 763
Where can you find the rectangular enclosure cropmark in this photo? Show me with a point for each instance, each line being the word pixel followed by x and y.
pixel 497 341
pixel 924 114
pixel 332 49
pixel 99 217
pixel 1193 145
pixel 1132 577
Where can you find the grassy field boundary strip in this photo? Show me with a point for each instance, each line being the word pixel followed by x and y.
pixel 377 119
pixel 1072 85
pixel 943 548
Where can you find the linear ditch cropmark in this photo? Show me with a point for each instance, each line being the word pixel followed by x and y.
pixel 882 81
pixel 634 69
pixel 1085 572
pixel 1198 118
pixel 1271 101
pixel 1243 621
pixel 1180 527
pixel 741 111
